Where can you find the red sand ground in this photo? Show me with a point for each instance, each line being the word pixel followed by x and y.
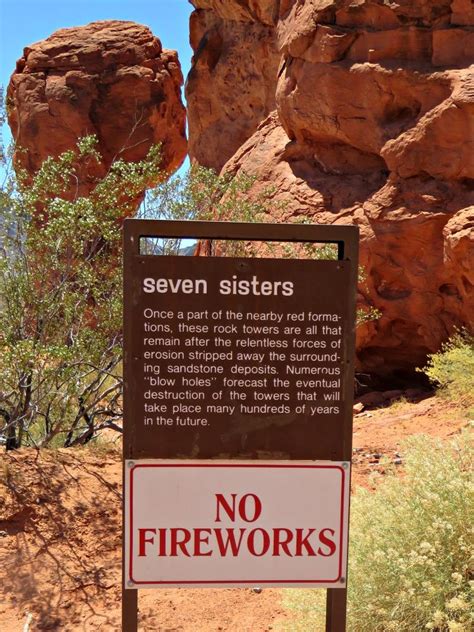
pixel 60 536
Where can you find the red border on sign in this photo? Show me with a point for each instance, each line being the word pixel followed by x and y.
pixel 241 581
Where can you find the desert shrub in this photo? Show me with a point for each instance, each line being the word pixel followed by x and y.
pixel 61 297
pixel 200 194
pixel 61 283
pixel 411 556
pixel 451 370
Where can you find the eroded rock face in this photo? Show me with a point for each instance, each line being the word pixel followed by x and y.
pixel 264 11
pixel 374 126
pixel 416 241
pixel 231 86
pixel 110 78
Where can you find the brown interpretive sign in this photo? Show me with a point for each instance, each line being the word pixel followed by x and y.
pixel 238 392
pixel 238 357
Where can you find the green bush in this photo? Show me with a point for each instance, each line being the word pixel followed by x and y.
pixel 451 370
pixel 61 297
pixel 411 563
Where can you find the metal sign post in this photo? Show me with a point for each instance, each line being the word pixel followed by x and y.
pixel 238 393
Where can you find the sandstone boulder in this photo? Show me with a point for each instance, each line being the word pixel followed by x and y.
pixel 441 142
pixel 361 105
pixel 110 78
pixel 462 12
pixel 458 253
pixel 380 13
pixel 264 11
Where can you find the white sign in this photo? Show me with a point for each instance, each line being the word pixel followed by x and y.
pixel 236 523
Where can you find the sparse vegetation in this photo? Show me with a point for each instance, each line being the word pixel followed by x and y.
pixel 60 297
pixel 61 285
pixel 60 282
pixel 451 370
pixel 398 404
pixel 411 558
pixel 201 194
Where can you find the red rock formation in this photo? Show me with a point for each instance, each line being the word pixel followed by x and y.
pixel 110 78
pixel 374 126
pixel 231 86
pixel 264 11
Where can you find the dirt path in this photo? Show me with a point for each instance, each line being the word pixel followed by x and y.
pixel 60 536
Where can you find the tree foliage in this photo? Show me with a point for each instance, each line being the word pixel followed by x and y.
pixel 61 284
pixel 61 297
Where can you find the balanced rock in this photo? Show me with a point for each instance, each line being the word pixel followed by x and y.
pixel 109 78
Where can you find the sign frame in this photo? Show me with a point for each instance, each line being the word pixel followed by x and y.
pixel 256 474
pixel 347 240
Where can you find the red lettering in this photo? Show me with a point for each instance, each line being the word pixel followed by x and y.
pixel 223 544
pixel 143 541
pixel 281 541
pixel 201 538
pixel 179 543
pixel 265 542
pixel 162 534
pixel 230 511
pixel 327 542
pixel 244 512
pixel 257 508
pixel 303 542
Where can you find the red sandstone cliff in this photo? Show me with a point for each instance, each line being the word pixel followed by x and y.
pixel 373 125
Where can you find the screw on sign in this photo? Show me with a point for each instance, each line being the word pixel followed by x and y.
pixel 237 414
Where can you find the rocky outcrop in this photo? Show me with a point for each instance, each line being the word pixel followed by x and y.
pixel 110 78
pixel 231 86
pixel 417 239
pixel 373 125
pixel 440 141
pixel 263 11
